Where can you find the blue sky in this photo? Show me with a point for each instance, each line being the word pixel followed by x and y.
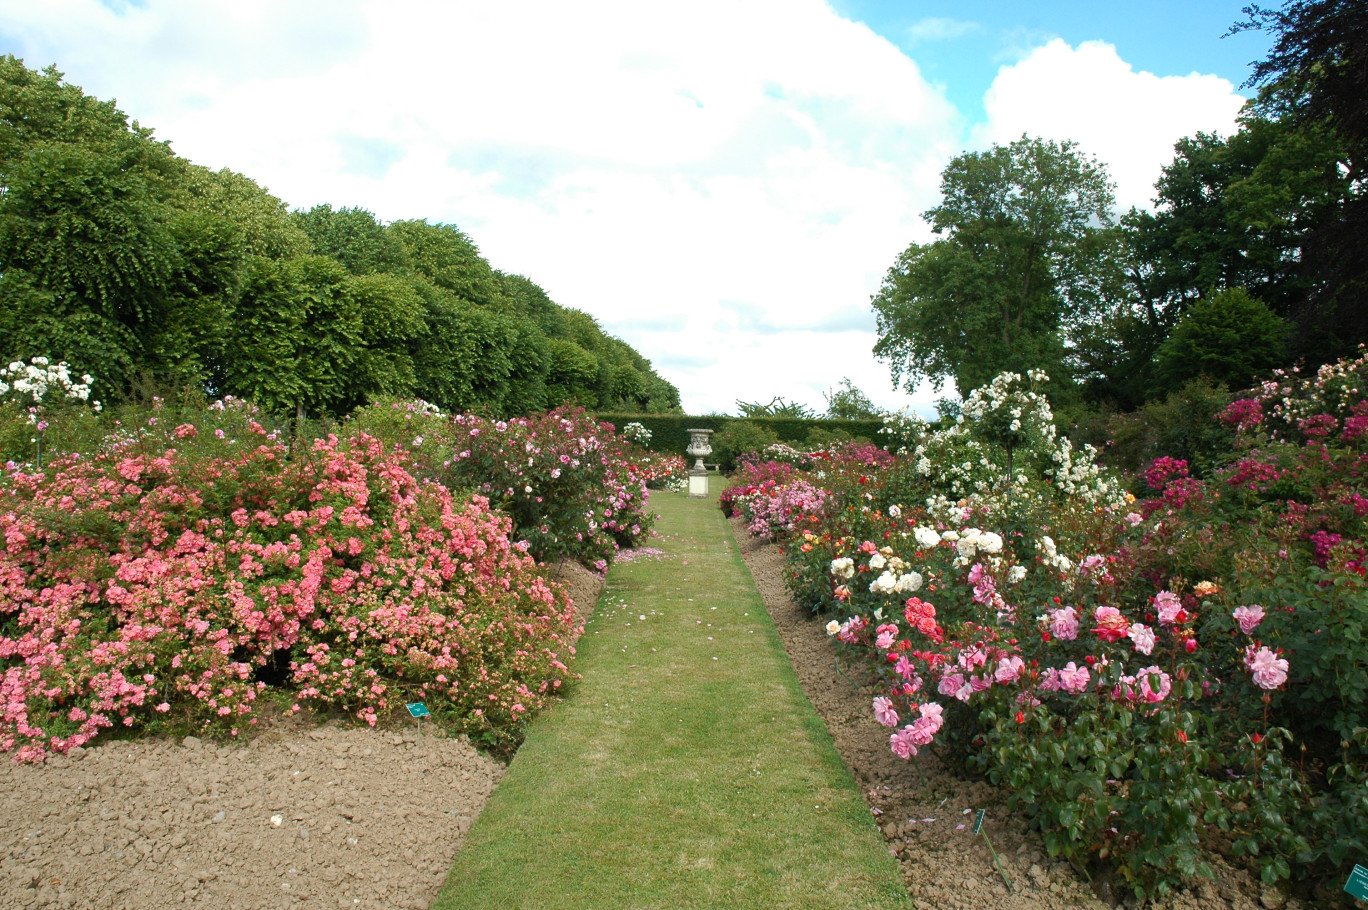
pixel 961 45
pixel 722 184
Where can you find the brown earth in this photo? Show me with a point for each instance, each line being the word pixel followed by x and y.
pixel 301 816
pixel 922 815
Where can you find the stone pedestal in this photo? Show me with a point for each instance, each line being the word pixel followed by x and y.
pixel 698 483
pixel 699 448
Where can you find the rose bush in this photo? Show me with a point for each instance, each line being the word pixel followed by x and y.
pixel 573 487
pixel 1141 673
pixel 188 569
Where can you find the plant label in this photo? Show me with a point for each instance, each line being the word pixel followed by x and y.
pixel 1358 883
pixel 978 821
pixel 418 709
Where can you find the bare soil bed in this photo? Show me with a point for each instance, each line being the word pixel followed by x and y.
pixel 300 816
pixel 923 816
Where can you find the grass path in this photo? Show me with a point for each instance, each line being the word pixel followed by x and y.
pixel 686 769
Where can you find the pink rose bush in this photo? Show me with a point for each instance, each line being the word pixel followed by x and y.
pixel 573 487
pixel 179 575
pixel 775 510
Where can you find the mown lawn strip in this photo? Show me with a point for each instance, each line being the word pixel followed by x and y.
pixel 687 769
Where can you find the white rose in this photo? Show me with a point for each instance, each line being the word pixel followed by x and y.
pixel 926 538
pixel 884 584
pixel 833 627
pixel 908 583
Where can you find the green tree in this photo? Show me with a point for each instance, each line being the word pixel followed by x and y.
pixel 1229 338
pixel 354 238
pixel 1245 211
pixel 846 402
pixel 297 337
pixel 1315 78
pixel 777 407
pixel 444 255
pixel 1026 258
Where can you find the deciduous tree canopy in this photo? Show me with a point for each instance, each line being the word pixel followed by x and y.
pixel 133 264
pixel 1025 258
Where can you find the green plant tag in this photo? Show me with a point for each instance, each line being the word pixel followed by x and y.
pixel 978 820
pixel 418 709
pixel 1358 883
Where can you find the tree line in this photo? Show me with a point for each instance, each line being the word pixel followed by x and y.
pixel 150 272
pixel 1254 256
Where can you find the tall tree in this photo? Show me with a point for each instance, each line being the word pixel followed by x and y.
pixel 1242 211
pixel 1025 260
pixel 847 402
pixel 1316 76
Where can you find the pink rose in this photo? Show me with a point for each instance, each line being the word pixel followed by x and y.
pixel 1268 669
pixel 1073 678
pixel 1170 608
pixel 950 684
pixel 902 744
pixel 1064 623
pixel 1009 669
pixel 1142 638
pixel 884 713
pixel 1248 617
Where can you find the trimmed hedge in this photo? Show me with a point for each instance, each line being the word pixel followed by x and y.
pixel 669 432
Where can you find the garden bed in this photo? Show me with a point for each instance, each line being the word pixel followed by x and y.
pixel 923 821
pixel 366 818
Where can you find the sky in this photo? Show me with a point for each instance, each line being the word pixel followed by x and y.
pixel 722 184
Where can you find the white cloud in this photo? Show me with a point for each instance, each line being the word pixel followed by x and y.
pixel 729 182
pixel 1129 120
pixel 638 162
pixel 939 28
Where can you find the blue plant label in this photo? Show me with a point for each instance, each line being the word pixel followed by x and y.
pixel 978 820
pixel 418 709
pixel 1358 883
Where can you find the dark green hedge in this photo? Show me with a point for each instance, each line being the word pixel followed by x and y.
pixel 669 432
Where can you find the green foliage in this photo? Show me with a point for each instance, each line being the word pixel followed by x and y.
pixel 740 437
pixel 297 335
pixel 846 402
pixel 1026 256
pixel 1181 425
pixel 669 432
pixel 354 238
pixel 444 255
pixel 145 270
pixel 1229 338
pixel 777 407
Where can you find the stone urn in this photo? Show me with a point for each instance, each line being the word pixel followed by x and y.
pixel 699 448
